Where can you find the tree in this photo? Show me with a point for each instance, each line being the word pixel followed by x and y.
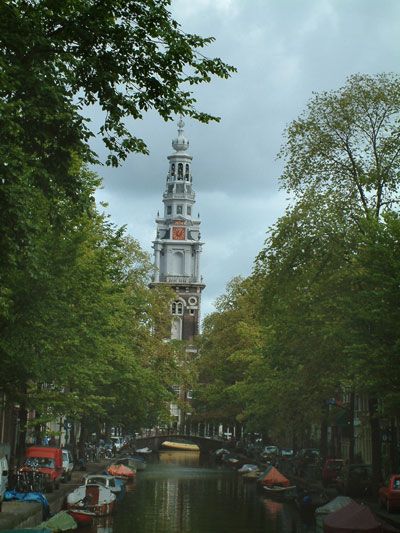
pixel 58 56
pixel 229 345
pixel 347 143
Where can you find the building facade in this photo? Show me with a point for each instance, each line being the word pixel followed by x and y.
pixel 178 244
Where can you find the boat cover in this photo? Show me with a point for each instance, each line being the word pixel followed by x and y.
pixel 61 521
pixel 328 508
pixel 38 497
pixel 272 476
pixel 120 470
pixel 352 517
pixel 28 530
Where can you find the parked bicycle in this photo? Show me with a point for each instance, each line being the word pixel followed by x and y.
pixel 30 480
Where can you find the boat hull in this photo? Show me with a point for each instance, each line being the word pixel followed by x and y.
pixel 101 509
pixel 284 493
pixel 181 446
pixel 82 517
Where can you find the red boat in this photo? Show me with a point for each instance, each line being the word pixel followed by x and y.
pixel 276 484
pixel 122 472
pixel 81 517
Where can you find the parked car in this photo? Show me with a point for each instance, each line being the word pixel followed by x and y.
pixel 3 477
pixel 331 471
pixel 68 464
pixel 47 461
pixel 389 494
pixel 309 454
pixel 287 453
pixel 355 480
pixel 269 452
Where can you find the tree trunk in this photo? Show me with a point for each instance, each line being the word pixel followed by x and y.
pixel 394 456
pixel 21 438
pixel 375 444
pixel 72 439
pixel 351 428
pixel 323 443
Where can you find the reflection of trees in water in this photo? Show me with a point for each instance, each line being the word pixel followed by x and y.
pixel 179 493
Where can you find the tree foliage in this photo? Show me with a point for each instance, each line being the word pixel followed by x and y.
pixel 347 143
pixel 326 280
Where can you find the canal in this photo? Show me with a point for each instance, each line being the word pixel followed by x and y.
pixel 182 492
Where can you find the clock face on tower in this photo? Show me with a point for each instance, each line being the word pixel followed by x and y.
pixel 178 233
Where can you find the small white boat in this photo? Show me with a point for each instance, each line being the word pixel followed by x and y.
pixel 247 468
pixel 91 499
pixel 110 482
pixel 144 451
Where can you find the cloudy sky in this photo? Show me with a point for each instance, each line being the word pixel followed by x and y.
pixel 284 51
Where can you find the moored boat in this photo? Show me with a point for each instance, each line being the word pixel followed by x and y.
pixel 122 472
pixel 276 484
pixel 132 461
pixel 244 469
pixel 251 476
pixel 110 482
pixel 61 521
pixel 180 445
pixel 144 451
pixel 91 499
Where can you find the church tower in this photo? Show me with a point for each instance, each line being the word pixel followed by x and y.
pixel 177 246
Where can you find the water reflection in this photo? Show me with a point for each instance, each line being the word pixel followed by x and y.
pixel 179 458
pixel 180 493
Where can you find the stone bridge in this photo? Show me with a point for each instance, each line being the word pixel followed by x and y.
pixel 206 444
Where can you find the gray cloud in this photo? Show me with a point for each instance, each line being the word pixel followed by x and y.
pixel 284 50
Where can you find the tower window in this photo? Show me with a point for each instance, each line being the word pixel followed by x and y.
pixel 169 210
pixel 177 308
pixel 179 209
pixel 187 172
pixel 173 169
pixel 180 171
pixel 189 210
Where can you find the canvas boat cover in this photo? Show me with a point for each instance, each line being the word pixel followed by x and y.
pixel 120 470
pixel 61 521
pixel 334 505
pixel 272 476
pixel 352 517
pixel 330 507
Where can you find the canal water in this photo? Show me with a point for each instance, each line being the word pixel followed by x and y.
pixel 180 492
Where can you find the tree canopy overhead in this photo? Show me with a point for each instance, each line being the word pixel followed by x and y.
pixel 128 56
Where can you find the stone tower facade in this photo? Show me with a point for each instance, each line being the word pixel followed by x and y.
pixel 177 246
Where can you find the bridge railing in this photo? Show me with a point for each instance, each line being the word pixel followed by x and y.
pixel 184 430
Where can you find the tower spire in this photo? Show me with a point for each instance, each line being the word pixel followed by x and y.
pixel 181 125
pixel 180 144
